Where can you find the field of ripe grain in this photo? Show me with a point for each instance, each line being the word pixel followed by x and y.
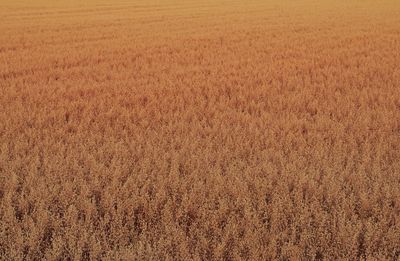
pixel 200 130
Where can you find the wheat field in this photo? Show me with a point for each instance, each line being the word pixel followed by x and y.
pixel 200 130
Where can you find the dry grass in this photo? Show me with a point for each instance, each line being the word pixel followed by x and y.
pixel 200 130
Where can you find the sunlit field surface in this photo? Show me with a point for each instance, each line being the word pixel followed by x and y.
pixel 200 130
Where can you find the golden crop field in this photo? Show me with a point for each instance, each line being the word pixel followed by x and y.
pixel 200 130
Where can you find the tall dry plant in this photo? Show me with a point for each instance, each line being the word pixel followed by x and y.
pixel 200 130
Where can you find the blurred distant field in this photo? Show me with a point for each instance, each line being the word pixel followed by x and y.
pixel 200 130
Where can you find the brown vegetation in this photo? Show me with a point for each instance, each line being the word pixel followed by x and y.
pixel 176 130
